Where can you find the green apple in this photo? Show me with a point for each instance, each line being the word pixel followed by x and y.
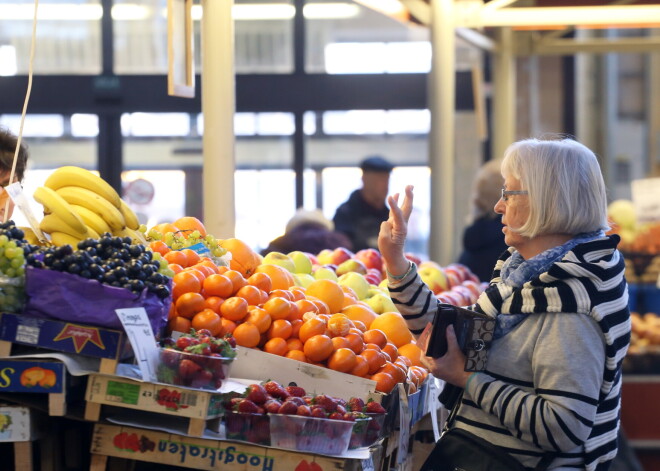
pixel 374 290
pixel 301 261
pixel 381 303
pixel 383 285
pixel 325 273
pixel 303 279
pixel 278 258
pixel 356 282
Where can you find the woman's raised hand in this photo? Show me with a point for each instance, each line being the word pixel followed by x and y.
pixel 393 232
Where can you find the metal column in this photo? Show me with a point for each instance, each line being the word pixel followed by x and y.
pixel 218 105
pixel 504 89
pixel 441 140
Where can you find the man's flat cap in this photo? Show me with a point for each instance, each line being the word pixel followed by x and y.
pixel 376 164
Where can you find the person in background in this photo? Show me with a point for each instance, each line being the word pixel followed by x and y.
pixel 8 142
pixel 483 240
pixel 552 384
pixel 308 231
pixel 360 217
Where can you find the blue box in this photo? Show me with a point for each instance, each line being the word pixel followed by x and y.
pixel 63 336
pixel 633 296
pixel 29 376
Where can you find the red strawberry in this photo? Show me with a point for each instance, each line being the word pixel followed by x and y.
pixel 355 404
pixel 349 417
pixel 299 401
pixel 295 391
pixel 327 402
pixel 319 412
pixel 257 394
pixel 201 379
pixel 188 368
pixel 309 400
pixel 247 406
pixel 336 416
pixel 375 408
pixel 288 408
pixel 272 406
pixel 183 342
pixel 305 411
pixel 204 333
pixel 341 409
pixel 276 390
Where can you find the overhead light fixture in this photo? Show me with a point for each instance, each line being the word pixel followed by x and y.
pixel 393 8
pixel 130 12
pixel 327 11
pixel 8 60
pixel 274 11
pixel 53 11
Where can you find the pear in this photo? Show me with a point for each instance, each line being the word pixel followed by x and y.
pixel 301 262
pixel 356 282
pixel 324 273
pixel 381 303
pixel 278 258
pixel 303 279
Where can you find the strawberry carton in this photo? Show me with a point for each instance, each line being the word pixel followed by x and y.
pixel 248 427
pixel 313 434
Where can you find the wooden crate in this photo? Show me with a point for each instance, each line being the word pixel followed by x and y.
pixel 108 345
pixel 202 454
pixel 36 377
pixel 18 425
pixel 197 405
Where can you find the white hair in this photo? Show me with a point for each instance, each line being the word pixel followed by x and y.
pixel 567 193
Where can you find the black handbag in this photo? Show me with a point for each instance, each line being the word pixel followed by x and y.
pixel 460 450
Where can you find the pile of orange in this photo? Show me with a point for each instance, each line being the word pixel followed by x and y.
pixel 323 324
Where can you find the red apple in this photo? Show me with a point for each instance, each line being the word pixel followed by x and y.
pixel 340 255
pixel 473 286
pixel 312 258
pixel 452 278
pixel 432 274
pixel 377 274
pixel 370 257
pixel 465 293
pixel 413 258
pixel 460 270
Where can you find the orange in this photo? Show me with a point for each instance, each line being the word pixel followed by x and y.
pixel 310 328
pixel 188 224
pixel 342 359
pixel 358 312
pixel 261 281
pixel 281 293
pixel 327 291
pixel 372 346
pixel 222 269
pixel 295 325
pixel 395 371
pixel 165 227
pixel 321 305
pixel 278 308
pixel 298 293
pixel 243 258
pixel 296 355
pixel 228 326
pixel 175 267
pixel 189 304
pixel 207 262
pixel 276 346
pixel 218 285
pixel 305 305
pixel 176 256
pixel 339 325
pixel 191 256
pixel 237 279
pixel 280 328
pixel 340 342
pixel 281 277
pixel 247 335
pixel 357 332
pixel 361 367
pixel 159 246
pixel 260 318
pixel 179 324
pixel 208 319
pixel 394 326
pixel 294 344
pixel 421 372
pixel 348 301
pixel 412 389
pixel 412 352
pixel 251 294
pixel 213 303
pixel 172 312
pixel 404 360
pixel 391 351
pixel 359 325
pixel 375 336
pixel 207 271
pixel 295 312
pixel 234 308
pixel 198 274
pixel 185 282
pixel 318 348
pixel 384 382
pixel 355 343
pixel 374 359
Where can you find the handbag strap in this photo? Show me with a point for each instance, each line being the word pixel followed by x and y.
pixel 542 465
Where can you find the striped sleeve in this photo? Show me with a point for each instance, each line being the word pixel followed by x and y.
pixel 556 411
pixel 414 300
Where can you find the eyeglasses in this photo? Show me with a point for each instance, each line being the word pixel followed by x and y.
pixel 507 193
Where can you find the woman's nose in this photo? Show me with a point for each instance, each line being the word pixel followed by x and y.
pixel 499 206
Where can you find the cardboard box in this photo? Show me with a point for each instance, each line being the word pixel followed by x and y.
pixel 16 424
pixel 29 376
pixel 261 366
pixel 202 454
pixel 63 336
pixel 640 414
pixel 153 397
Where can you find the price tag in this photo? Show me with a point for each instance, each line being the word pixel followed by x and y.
pixel 646 198
pixel 16 194
pixel 139 332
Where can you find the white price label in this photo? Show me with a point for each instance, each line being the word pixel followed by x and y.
pixel 140 334
pixel 16 194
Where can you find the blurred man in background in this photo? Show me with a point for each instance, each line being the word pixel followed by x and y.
pixel 360 217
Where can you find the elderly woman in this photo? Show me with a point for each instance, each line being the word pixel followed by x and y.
pixel 552 383
pixel 8 144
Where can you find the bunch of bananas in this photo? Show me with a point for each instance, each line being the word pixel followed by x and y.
pixel 80 205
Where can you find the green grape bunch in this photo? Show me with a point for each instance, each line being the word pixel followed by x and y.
pixel 13 252
pixel 179 241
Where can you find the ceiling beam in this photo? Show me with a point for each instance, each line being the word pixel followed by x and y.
pixel 477 39
pixel 561 47
pixel 472 15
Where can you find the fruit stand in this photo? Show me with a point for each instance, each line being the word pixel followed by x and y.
pixel 166 345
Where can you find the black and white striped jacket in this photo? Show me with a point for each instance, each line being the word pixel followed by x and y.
pixel 553 384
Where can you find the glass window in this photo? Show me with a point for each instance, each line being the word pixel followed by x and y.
pixel 68 37
pixel 84 125
pixel 156 196
pixel 155 124
pixel 36 125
